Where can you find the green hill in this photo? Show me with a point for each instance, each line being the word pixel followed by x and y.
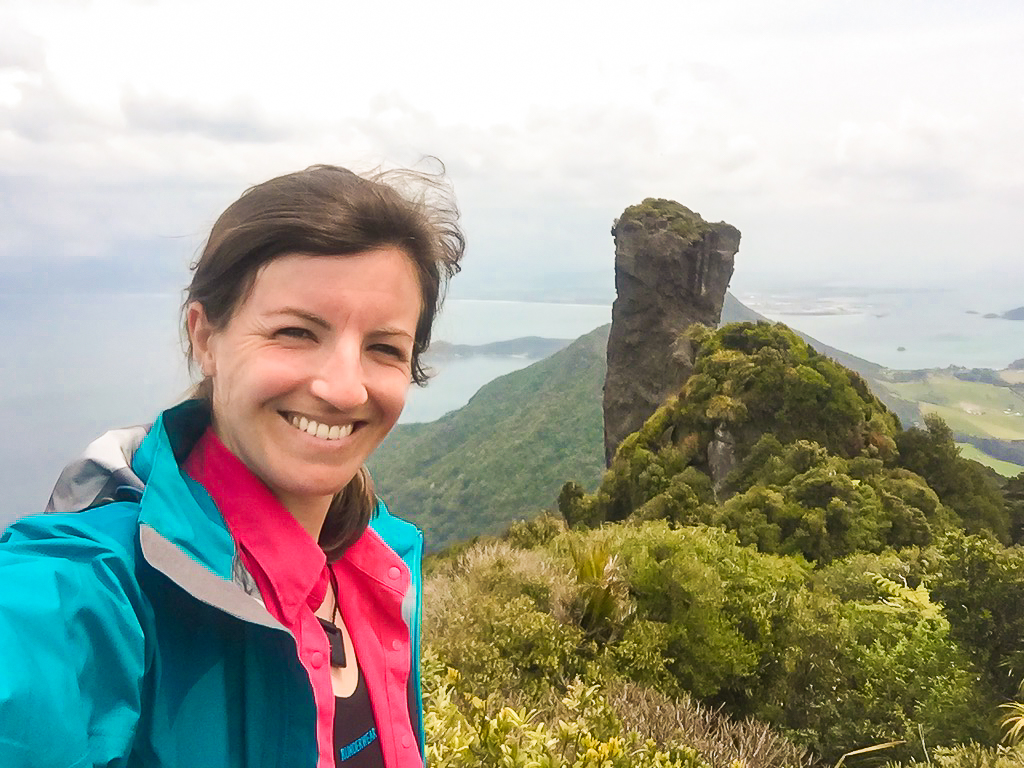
pixel 504 455
pixel 816 465
pixel 981 406
pixel 734 311
pixel 839 582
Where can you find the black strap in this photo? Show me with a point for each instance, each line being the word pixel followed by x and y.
pixel 337 642
pixel 334 637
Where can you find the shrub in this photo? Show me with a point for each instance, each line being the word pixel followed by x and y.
pixel 799 499
pixel 503 645
pixel 501 616
pixel 602 605
pixel 979 584
pixel 718 603
pixel 836 659
pixel 907 679
pixel 895 674
pixel 721 740
pixel 468 732
pixel 964 486
pixel 969 755
pixel 531 534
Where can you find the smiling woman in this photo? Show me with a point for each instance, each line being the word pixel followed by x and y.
pixel 312 370
pixel 224 588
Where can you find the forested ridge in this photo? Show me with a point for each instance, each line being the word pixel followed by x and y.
pixel 509 450
pixel 504 454
pixel 772 572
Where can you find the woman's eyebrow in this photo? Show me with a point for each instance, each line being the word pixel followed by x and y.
pixel 391 331
pixel 304 315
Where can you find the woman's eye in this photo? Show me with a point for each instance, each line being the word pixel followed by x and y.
pixel 392 351
pixel 294 333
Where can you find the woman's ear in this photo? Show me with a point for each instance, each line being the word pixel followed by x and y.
pixel 200 334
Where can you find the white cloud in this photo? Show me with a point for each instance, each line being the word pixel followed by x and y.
pixel 867 114
pixel 239 120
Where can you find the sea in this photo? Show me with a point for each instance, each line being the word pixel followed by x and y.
pixel 902 328
pixel 75 365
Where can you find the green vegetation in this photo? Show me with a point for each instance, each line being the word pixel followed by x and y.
pixel 714 633
pixel 773 572
pixel 969 756
pixel 587 734
pixel 818 469
pixel 970 492
pixel 666 214
pixel 506 453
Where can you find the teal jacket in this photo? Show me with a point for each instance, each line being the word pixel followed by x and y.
pixel 127 634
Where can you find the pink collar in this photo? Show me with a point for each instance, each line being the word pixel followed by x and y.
pixel 287 565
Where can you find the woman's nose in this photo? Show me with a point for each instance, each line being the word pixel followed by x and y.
pixel 340 382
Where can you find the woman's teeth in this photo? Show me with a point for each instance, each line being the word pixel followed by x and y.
pixel 317 429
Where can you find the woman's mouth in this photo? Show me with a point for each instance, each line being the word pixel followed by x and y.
pixel 318 428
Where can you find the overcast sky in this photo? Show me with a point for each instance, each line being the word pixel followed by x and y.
pixel 869 141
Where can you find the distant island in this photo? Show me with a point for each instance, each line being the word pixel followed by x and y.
pixel 1013 314
pixel 528 347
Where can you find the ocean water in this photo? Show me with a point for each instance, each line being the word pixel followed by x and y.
pixel 480 322
pixel 903 328
pixel 74 366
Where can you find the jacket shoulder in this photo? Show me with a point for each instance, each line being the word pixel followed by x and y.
pixel 399 534
pixel 73 649
pixel 110 530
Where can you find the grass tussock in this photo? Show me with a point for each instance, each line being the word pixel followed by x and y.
pixel 499 570
pixel 721 740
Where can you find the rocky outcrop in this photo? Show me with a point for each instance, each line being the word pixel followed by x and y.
pixel 672 269
pixel 721 457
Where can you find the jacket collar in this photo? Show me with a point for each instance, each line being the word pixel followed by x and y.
pixel 287 564
pixel 182 533
pixel 174 505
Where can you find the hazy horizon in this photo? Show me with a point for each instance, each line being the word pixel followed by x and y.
pixel 870 141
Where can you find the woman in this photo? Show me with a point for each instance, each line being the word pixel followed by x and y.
pixel 225 589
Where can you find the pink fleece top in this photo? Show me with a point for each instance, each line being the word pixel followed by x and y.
pixel 290 570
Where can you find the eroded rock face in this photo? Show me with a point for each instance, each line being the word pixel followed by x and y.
pixel 721 457
pixel 672 269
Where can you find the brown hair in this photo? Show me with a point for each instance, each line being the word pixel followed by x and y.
pixel 330 211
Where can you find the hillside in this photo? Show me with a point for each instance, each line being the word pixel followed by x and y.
pixel 505 454
pixel 772 573
pixel 764 410
pixel 734 311
pixel 980 405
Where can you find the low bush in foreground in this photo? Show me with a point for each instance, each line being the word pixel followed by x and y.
pixel 835 660
pixel 625 726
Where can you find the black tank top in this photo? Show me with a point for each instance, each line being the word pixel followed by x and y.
pixel 356 744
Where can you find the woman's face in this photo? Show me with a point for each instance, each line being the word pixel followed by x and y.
pixel 312 371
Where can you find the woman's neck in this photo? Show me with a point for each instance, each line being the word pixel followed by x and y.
pixel 310 513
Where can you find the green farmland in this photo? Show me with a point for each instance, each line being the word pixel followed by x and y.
pixel 967 406
pixel 970 408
